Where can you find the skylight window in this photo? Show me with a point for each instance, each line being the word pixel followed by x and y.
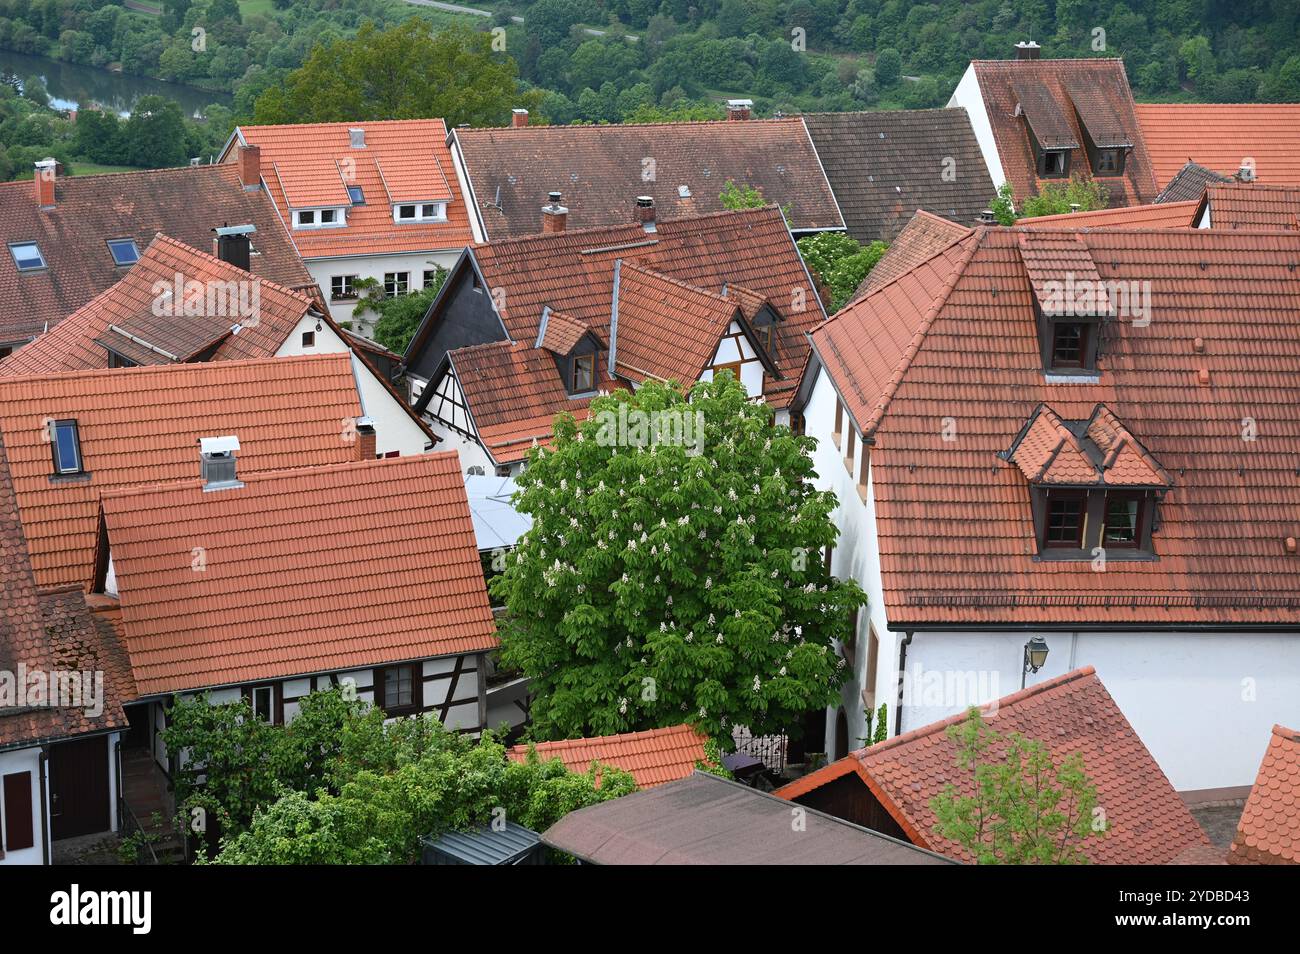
pixel 356 196
pixel 66 444
pixel 124 251
pixel 27 257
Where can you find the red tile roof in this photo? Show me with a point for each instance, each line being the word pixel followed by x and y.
pixel 304 571
pixel 667 329
pixel 1059 99
pixel 1105 454
pixel 1241 205
pixel 49 631
pixel 560 334
pixel 1149 824
pixel 141 425
pixel 186 203
pixel 405 160
pixel 652 757
pixel 923 237
pixel 134 314
pixel 1166 215
pixel 601 170
pixel 958 339
pixel 1269 830
pixel 1220 136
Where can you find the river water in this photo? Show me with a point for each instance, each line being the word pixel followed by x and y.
pixel 71 86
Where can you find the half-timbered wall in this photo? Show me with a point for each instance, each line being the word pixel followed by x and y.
pixel 736 353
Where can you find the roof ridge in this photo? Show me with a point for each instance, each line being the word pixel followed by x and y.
pixel 350 124
pixel 209 257
pixel 1014 698
pixel 1291 735
pixel 592 229
pixel 796 117
pixel 918 337
pixel 223 167
pixel 925 261
pixel 173 368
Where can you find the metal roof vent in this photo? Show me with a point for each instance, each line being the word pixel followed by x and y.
pixel 217 462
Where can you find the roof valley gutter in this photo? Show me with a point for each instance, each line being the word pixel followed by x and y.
pixel 902 667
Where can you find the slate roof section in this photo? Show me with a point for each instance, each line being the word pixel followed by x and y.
pixel 47 631
pixel 960 340
pixel 1219 136
pixel 667 330
pixel 1073 714
pixel 653 757
pixel 141 426
pixel 884 165
pixel 305 571
pixel 135 319
pixel 404 160
pixel 1161 215
pixel 600 170
pixel 1269 830
pixel 924 236
pixel 186 203
pixel 1253 205
pixel 706 820
pixel 1188 184
pixel 1046 91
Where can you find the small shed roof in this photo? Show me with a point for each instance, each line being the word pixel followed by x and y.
pixel 486 845
pixel 706 820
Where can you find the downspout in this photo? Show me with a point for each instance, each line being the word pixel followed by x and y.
pixel 902 667
pixel 42 770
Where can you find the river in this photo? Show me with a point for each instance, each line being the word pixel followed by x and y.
pixel 71 86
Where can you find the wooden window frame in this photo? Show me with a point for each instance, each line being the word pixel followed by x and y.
pixel 1139 523
pixel 839 421
pixel 1044 172
pixel 583 359
pixel 1085 330
pixel 1081 496
pixel 416 704
pixel 848 449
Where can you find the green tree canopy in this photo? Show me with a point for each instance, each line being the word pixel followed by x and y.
pixel 405 72
pixel 1056 198
pixel 673 571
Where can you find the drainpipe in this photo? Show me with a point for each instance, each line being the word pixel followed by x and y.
pixel 902 667
pixel 42 770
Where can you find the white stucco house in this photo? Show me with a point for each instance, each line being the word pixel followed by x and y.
pixel 369 200
pixel 1114 479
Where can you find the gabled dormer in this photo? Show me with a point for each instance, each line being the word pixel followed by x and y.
pixel 1093 488
pixel 1070 302
pixel 575 348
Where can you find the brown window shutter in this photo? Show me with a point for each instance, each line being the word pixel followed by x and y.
pixel 839 417
pixel 417 686
pixel 377 678
pixel 18 811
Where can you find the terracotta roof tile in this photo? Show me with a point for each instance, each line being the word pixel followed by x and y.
pixel 1165 215
pixel 667 329
pixel 959 340
pixel 140 426
pixel 304 571
pixel 652 757
pixel 1059 99
pixel 1098 451
pixel 137 321
pixel 49 631
pixel 886 164
pixel 1189 183
pixel 1220 136
pixel 602 169
pixel 404 160
pixel 1241 205
pixel 559 333
pixel 1149 824
pixel 923 237
pixel 1269 830
pixel 186 203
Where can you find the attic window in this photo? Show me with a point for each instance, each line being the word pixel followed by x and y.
pixel 1065 518
pixel 356 196
pixel 1109 162
pixel 420 212
pixel 27 257
pixel 1069 344
pixel 124 251
pixel 1053 163
pixel 66 445
pixel 1125 515
pixel 584 373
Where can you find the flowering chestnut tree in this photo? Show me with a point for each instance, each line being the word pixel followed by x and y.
pixel 674 570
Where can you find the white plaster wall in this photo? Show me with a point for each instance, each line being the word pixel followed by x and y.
pixel 24 760
pixel 967 95
pixel 1203 703
pixel 374 266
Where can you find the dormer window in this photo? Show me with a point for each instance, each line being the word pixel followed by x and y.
pixel 1066 514
pixel 1109 162
pixel 1125 512
pixel 1069 344
pixel 420 212
pixel 1053 163
pixel 65 441
pixel 319 218
pixel 584 373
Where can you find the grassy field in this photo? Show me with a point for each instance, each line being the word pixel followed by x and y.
pixel 82 168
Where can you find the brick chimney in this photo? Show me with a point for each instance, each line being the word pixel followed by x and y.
pixel 518 118
pixel 47 171
pixel 739 108
pixel 645 212
pixel 1027 50
pixel 365 439
pixel 250 167
pixel 554 215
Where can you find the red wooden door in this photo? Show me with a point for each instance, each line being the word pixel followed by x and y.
pixel 79 796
